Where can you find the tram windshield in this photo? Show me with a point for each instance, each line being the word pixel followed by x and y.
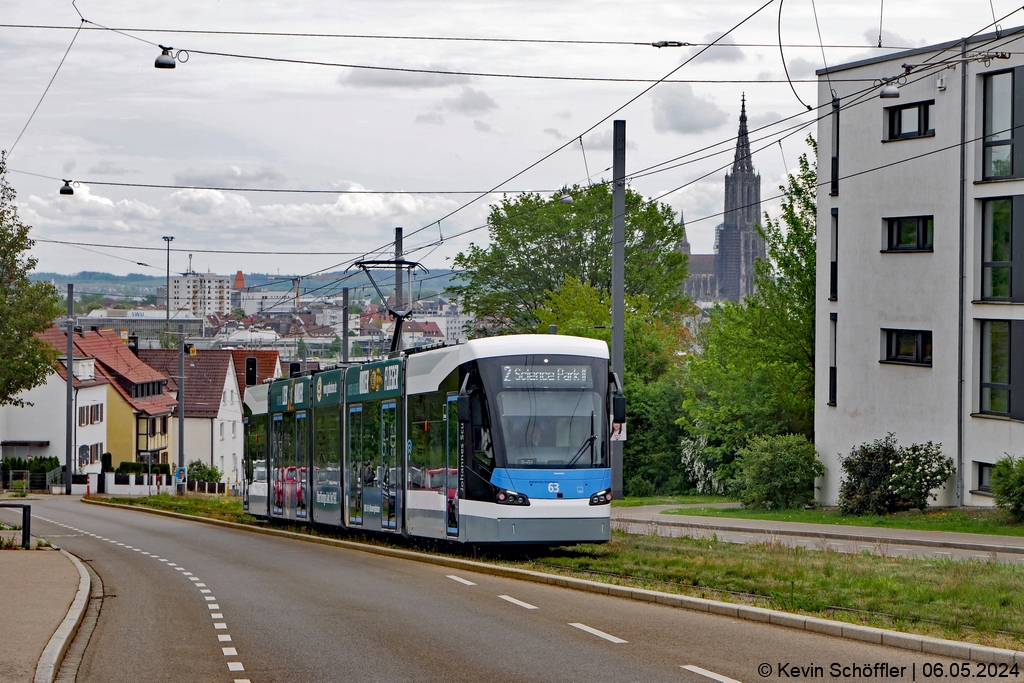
pixel 550 411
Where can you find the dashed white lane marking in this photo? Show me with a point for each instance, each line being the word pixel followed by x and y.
pixel 524 605
pixel 709 674
pixel 600 634
pixel 218 625
pixel 461 580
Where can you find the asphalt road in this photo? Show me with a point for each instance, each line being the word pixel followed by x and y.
pixel 196 602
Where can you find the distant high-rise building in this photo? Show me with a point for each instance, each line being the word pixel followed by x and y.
pixel 728 274
pixel 201 294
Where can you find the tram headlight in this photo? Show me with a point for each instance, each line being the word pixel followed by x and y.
pixel 601 497
pixel 506 497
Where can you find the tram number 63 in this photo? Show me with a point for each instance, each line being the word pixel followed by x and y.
pixel 553 487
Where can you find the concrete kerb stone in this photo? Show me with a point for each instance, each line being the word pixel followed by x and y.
pixel 834 535
pixel 53 653
pixel 839 629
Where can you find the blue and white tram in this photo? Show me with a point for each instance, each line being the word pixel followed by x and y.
pixel 499 440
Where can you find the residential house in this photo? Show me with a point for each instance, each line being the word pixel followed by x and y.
pixel 920 265
pixel 213 406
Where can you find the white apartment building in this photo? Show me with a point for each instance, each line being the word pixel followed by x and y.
pixel 201 294
pixel 920 257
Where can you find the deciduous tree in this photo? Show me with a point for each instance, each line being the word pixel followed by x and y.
pixel 26 307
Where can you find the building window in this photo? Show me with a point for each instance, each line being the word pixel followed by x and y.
pixel 1002 244
pixel 833 319
pixel 833 273
pixel 234 429
pixel 834 180
pixel 984 476
pixel 911 233
pixel 910 121
pixel 221 431
pixel 995 367
pixel 998 148
pixel 909 347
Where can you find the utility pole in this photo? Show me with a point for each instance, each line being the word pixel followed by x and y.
pixel 618 277
pixel 398 274
pixel 181 395
pixel 70 440
pixel 167 293
pixel 344 324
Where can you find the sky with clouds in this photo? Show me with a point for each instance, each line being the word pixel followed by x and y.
pixel 240 123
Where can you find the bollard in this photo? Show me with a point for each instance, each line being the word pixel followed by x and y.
pixel 26 522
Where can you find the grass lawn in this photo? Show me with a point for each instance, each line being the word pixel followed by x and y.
pixel 970 521
pixel 635 501
pixel 970 600
pixel 963 600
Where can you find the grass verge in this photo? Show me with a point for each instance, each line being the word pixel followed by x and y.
pixel 968 521
pixel 637 501
pixel 969 600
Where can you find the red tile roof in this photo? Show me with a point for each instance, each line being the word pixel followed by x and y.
pixel 205 376
pixel 58 339
pixel 267 365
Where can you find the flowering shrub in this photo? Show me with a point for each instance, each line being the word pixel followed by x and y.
pixel 1008 485
pixel 777 472
pixel 883 477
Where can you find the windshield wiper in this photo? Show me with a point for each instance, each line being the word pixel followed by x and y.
pixel 589 441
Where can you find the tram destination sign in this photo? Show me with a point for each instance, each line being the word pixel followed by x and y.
pixel 546 377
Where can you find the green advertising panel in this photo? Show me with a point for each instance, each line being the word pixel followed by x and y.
pixel 327 388
pixel 290 394
pixel 374 381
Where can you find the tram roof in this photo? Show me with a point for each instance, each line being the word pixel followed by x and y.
pixel 519 344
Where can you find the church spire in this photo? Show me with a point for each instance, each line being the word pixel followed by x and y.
pixel 742 162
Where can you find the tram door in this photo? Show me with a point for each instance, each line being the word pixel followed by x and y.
pixel 277 466
pixel 451 451
pixel 300 473
pixel 355 470
pixel 389 439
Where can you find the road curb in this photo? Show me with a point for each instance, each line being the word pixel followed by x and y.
pixel 839 629
pixel 834 535
pixel 53 653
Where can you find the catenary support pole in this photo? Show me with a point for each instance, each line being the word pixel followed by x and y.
pixel 69 453
pixel 181 395
pixel 618 277
pixel 399 250
pixel 344 324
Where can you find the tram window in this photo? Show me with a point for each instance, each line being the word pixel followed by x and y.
pixel 427 433
pixel 327 444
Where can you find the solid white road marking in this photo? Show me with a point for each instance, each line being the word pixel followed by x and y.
pixel 204 591
pixel 210 598
pixel 600 634
pixel 460 580
pixel 224 638
pixel 525 605
pixel 196 578
pixel 220 625
pixel 242 680
pixel 187 574
pixel 164 560
pixel 229 651
pixel 235 666
pixel 213 606
pixel 200 585
pixel 216 615
pixel 710 674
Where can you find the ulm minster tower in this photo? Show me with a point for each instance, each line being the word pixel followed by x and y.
pixel 728 274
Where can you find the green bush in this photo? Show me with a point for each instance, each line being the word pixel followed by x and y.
pixel 639 487
pixel 200 471
pixel 778 472
pixel 105 464
pixel 131 468
pixel 1008 485
pixel 884 477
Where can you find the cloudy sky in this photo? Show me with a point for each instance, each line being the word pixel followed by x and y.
pixel 230 122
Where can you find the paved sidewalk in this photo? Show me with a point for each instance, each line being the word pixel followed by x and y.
pixel 651 520
pixel 35 595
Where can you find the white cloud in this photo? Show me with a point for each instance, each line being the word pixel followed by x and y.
pixel 470 102
pixel 433 118
pixel 762 119
pixel 482 126
pixel 724 50
pixel 232 176
pixel 108 167
pixel 374 78
pixel 679 110
pixel 802 68
pixel 69 165
pixel 603 140
pixel 555 133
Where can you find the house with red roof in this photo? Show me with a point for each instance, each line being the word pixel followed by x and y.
pixel 213 406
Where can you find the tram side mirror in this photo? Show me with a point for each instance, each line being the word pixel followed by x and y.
pixel 465 409
pixel 618 408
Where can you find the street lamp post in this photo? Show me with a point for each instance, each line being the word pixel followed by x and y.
pixel 167 292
